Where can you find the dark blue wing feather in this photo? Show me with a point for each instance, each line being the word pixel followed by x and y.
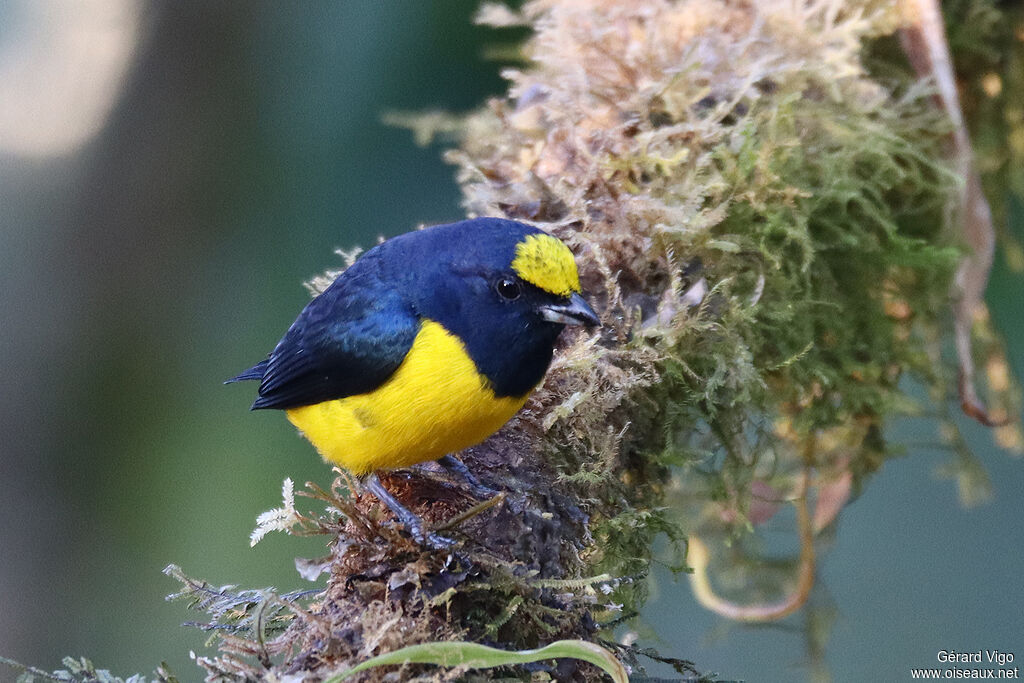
pixel 347 341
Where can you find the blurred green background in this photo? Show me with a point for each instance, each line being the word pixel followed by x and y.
pixel 169 175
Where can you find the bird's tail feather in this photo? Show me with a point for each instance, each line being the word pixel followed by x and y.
pixel 255 372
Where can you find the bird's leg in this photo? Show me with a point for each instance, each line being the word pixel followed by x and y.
pixel 456 467
pixel 407 517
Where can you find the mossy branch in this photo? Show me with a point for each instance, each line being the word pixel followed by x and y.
pixel 765 224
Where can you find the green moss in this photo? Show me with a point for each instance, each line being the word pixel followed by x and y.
pixel 768 225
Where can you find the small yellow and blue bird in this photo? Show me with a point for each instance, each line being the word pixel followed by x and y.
pixel 424 346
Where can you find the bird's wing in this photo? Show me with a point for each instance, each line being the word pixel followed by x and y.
pixel 347 341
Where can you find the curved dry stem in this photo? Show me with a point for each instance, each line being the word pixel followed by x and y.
pixel 699 558
pixel 924 40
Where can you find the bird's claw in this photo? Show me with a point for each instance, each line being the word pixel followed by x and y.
pixel 432 540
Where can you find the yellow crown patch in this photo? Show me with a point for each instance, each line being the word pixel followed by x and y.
pixel 546 262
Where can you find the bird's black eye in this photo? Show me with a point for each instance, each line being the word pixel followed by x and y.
pixel 508 288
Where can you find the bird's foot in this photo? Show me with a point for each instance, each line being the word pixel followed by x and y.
pixel 457 468
pixel 410 520
pixel 432 540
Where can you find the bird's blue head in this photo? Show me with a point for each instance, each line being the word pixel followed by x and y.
pixel 506 289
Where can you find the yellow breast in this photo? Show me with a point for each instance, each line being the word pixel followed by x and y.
pixel 436 403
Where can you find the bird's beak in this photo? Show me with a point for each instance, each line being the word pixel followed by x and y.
pixel 576 312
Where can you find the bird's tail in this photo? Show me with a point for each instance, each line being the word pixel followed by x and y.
pixel 255 372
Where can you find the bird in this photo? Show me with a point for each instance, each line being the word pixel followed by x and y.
pixel 425 345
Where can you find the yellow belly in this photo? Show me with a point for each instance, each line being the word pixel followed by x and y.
pixel 436 403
